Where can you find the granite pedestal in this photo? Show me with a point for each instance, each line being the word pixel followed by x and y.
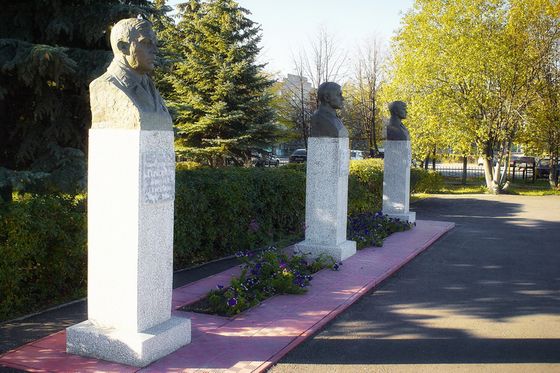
pixel 131 189
pixel 396 180
pixel 326 200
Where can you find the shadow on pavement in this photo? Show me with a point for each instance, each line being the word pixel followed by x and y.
pixel 16 333
pixel 488 292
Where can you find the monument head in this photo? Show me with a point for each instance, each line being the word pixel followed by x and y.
pixel 124 94
pixel 330 94
pixel 398 109
pixel 325 122
pixel 396 131
pixel 134 43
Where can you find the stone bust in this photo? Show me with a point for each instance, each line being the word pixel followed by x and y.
pixel 325 122
pixel 125 96
pixel 396 131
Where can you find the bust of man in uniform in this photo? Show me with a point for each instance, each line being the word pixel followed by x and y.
pixel 396 131
pixel 125 96
pixel 325 122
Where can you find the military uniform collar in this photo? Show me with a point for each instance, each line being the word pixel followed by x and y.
pixel 127 76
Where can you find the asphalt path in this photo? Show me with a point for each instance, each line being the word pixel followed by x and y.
pixel 484 298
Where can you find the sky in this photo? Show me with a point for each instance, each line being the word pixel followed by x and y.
pixel 288 26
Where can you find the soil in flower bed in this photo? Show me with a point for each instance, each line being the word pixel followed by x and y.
pixel 202 306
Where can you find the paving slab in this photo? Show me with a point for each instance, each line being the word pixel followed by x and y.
pixel 259 337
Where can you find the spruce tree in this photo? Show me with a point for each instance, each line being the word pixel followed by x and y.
pixel 221 96
pixel 50 50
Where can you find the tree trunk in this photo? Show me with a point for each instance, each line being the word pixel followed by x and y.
pixel 303 124
pixel 553 174
pixel 464 177
pixel 488 169
pixel 6 193
pixel 489 176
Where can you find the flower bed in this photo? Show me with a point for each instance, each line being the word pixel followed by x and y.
pixel 268 273
pixel 370 229
pixel 273 272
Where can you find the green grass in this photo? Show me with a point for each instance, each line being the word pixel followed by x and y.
pixel 453 186
pixel 538 188
pixel 477 186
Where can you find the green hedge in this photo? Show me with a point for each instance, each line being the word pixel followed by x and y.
pixel 221 211
pixel 218 212
pixel 365 186
pixel 42 253
pixel 425 181
pixel 365 190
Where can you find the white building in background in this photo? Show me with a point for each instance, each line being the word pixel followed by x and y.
pixel 295 85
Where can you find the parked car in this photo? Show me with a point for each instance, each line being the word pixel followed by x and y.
pixel 265 159
pixel 543 168
pixel 298 156
pixel 356 154
pixel 379 154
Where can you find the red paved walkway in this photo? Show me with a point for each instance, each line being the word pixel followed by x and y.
pixel 258 338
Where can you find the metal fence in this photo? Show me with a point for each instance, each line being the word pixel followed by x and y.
pixel 517 173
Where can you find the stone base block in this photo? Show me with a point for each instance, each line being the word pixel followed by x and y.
pixel 409 217
pixel 136 349
pixel 339 252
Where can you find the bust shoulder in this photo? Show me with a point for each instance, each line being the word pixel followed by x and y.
pixel 325 123
pixel 396 131
pixel 110 105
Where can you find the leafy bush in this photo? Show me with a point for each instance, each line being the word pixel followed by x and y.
pixel 220 211
pixel 42 253
pixel 189 165
pixel 425 181
pixel 365 186
pixel 295 166
pixel 269 273
pixel 217 213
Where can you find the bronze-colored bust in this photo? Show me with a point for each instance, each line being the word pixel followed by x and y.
pixel 396 131
pixel 125 96
pixel 325 122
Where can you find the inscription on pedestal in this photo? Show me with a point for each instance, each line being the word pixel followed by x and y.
pixel 158 176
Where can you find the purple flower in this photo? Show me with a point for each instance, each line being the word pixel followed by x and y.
pixel 251 281
pixel 300 282
pixel 254 225
pixel 232 302
pixel 283 264
pixel 220 287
